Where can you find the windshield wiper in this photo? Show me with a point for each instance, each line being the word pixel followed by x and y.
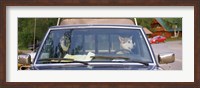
pixel 61 60
pixel 110 57
pixel 144 63
pixel 121 61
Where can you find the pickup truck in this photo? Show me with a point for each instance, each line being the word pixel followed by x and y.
pixel 97 47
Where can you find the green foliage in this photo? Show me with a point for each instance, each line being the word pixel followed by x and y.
pixel 173 21
pixel 145 22
pixel 26 30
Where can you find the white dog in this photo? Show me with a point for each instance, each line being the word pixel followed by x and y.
pixel 127 44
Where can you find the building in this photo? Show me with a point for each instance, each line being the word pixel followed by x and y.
pixel 160 27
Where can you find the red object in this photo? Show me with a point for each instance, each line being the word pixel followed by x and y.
pixel 157 39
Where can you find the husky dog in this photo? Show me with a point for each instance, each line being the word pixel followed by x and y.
pixel 64 43
pixel 127 44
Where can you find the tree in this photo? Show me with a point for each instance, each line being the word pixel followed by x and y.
pixel 171 22
pixel 145 22
pixel 24 33
pixel 174 23
pixel 26 30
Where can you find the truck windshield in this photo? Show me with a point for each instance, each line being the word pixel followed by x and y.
pixel 91 44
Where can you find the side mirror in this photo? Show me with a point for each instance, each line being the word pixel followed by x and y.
pixel 24 59
pixel 166 58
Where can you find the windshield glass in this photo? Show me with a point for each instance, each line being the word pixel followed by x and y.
pixel 95 45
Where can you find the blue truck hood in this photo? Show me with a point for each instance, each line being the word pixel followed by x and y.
pixel 96 67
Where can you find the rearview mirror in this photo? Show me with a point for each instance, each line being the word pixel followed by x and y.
pixel 166 58
pixel 24 59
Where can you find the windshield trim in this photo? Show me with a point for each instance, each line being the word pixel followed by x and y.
pixel 68 28
pixel 150 49
pixel 75 25
pixel 41 46
pixel 83 27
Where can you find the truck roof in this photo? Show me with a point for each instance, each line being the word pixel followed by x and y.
pixel 96 21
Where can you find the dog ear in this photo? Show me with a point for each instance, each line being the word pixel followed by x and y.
pixel 121 39
pixel 131 37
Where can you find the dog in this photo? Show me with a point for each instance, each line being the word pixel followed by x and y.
pixel 126 45
pixel 64 43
